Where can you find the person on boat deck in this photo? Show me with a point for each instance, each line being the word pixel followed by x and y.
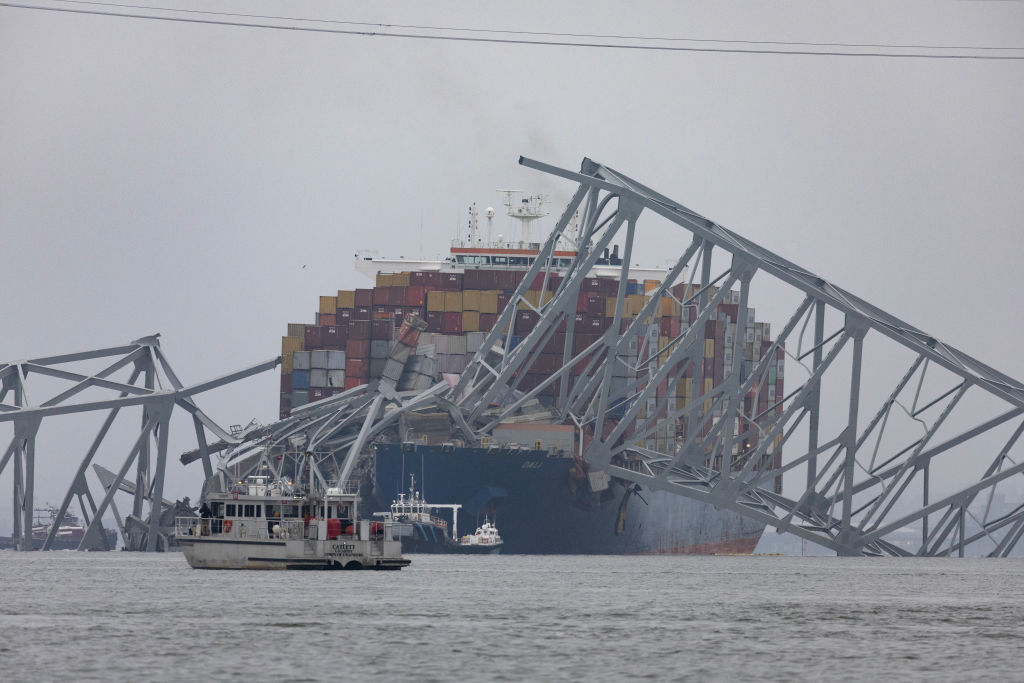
pixel 204 511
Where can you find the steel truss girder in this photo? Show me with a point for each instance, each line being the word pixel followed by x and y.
pixel 844 503
pixel 158 395
pixel 851 489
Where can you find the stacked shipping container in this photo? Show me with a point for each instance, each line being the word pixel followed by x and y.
pixel 348 343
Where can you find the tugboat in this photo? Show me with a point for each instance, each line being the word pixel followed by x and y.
pixel 260 524
pixel 420 529
pixel 485 540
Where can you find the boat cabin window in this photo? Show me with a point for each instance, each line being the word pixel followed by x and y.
pixel 501 260
pixel 473 260
pixel 251 510
pixel 517 260
pixel 290 511
pixel 217 510
pixel 231 510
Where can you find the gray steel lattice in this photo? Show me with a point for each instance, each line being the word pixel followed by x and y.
pixel 860 485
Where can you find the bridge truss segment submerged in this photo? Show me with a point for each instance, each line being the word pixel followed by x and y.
pixel 151 384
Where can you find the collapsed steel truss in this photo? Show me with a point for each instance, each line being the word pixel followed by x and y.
pixel 857 486
pixel 152 385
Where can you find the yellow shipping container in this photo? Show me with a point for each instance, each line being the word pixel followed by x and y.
pixel 709 348
pixel 400 280
pixel 636 304
pixel 471 321
pixel 471 301
pixel 651 285
pixel 670 308
pixel 453 302
pixel 435 300
pixel 329 304
pixel 489 301
pixel 286 364
pixel 384 279
pixel 290 345
pixel 709 384
pixel 297 330
pixel 346 299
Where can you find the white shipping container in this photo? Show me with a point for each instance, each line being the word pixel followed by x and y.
pixel 318 378
pixel 376 367
pixel 379 348
pixel 335 360
pixel 474 340
pixel 300 360
pixel 392 370
pixel 318 359
pixel 336 378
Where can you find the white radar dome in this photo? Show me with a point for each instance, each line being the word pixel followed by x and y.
pixel 489 212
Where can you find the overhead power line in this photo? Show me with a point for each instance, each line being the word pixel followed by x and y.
pixel 387 32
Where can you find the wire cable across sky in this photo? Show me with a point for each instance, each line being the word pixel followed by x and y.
pixel 388 30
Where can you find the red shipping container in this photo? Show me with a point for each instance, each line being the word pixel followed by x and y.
pixel 357 348
pixel 364 297
pixel 353 382
pixel 361 313
pixel 609 287
pixel 397 296
pixel 598 324
pixel 325 319
pixel 581 365
pixel 382 313
pixel 554 282
pixel 343 316
pixel 415 295
pixel 408 335
pixel 342 334
pixel 316 394
pixel 580 342
pixel 357 367
pixel 359 329
pixel 555 344
pixel 286 384
pixel 451 323
pixel 503 300
pixel 591 284
pixel 382 329
pixel 380 296
pixel 451 282
pixel 581 323
pixel 593 304
pixel 538 282
pixel 669 327
pixel 472 279
pixel 313 339
pixel 487 321
pixel 329 335
pixel 433 280
pixel 434 321
pixel 525 322
pixel 418 278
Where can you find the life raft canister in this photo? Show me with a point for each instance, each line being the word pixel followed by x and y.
pixel 227 525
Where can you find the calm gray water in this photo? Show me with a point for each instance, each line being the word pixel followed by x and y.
pixel 130 617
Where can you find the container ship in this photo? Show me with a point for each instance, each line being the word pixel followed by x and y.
pixel 527 475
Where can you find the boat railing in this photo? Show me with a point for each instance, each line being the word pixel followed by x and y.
pixel 255 529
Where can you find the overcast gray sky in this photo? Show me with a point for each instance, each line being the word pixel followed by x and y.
pixel 210 182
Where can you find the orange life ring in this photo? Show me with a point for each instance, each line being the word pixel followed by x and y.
pixel 227 525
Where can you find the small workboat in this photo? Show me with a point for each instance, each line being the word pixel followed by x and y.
pixel 485 540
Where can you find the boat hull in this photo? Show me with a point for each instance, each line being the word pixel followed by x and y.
pixel 214 553
pixel 530 498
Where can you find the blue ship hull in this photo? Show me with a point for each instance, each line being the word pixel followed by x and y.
pixel 539 507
